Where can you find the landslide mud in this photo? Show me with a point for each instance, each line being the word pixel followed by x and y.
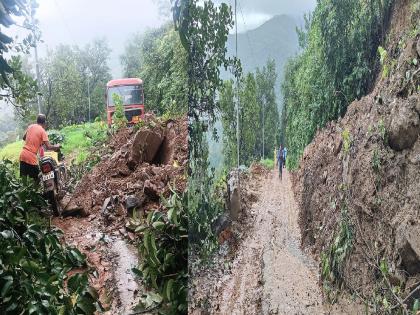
pixel 114 191
pixel 110 259
pixel 376 181
pixel 268 273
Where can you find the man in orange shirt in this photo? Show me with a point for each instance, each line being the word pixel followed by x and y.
pixel 34 137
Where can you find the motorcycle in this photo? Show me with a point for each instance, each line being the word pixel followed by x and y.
pixel 53 177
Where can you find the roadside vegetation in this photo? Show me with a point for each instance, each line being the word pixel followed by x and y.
pixel 164 247
pixel 338 59
pixel 39 274
pixel 259 127
pixel 76 141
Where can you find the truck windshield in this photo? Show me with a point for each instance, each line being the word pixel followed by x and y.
pixel 130 94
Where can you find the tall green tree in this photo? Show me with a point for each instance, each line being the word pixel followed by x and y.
pixel 258 117
pixel 16 86
pixel 269 132
pixel 338 58
pixel 158 57
pixel 68 74
pixel 248 120
pixel 228 119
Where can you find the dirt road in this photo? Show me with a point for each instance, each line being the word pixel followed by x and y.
pixel 269 273
pixel 111 257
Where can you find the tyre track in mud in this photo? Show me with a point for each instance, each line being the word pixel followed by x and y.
pixel 111 258
pixel 271 275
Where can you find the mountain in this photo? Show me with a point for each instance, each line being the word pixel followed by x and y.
pixel 275 39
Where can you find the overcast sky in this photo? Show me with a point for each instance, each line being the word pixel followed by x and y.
pixel 81 21
pixel 252 13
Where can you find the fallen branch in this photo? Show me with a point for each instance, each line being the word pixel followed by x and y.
pixel 407 297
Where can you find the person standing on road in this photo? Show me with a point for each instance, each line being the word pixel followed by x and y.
pixel 284 156
pixel 280 161
pixel 35 136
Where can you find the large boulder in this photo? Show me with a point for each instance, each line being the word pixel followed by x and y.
pixel 404 126
pixel 133 202
pixel 221 223
pixel 407 242
pixel 145 146
pixel 234 195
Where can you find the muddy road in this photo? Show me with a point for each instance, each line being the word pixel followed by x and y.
pixel 110 257
pixel 269 273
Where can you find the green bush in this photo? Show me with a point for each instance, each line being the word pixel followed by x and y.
pixel 268 163
pixel 119 119
pixel 55 137
pixel 164 249
pixel 34 264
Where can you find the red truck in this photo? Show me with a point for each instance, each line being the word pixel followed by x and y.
pixel 131 92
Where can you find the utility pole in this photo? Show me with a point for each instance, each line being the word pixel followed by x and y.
pixel 38 76
pixel 237 108
pixel 88 84
pixel 263 131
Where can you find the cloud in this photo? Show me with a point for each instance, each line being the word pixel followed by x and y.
pixel 294 7
pixel 77 22
pixel 256 12
pixel 247 21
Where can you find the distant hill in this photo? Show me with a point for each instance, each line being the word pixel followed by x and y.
pixel 275 39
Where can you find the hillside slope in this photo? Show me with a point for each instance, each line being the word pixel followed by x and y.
pixel 358 182
pixel 275 39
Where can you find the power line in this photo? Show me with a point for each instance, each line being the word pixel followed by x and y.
pixel 38 76
pixel 66 25
pixel 247 35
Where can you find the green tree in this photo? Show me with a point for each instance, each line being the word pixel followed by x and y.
pixel 158 57
pixel 338 59
pixel 248 120
pixel 269 132
pixel 228 119
pixel 257 113
pixel 203 29
pixel 16 86
pixel 65 75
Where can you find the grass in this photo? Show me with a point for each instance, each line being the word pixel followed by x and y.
pixel 268 163
pixel 78 139
pixel 11 151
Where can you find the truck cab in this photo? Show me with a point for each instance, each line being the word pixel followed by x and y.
pixel 131 92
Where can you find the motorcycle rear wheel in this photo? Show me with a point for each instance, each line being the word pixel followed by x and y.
pixel 51 196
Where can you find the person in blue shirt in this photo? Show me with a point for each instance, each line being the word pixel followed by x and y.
pixel 280 160
pixel 284 156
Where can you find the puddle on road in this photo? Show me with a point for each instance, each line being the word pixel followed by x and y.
pixel 127 286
